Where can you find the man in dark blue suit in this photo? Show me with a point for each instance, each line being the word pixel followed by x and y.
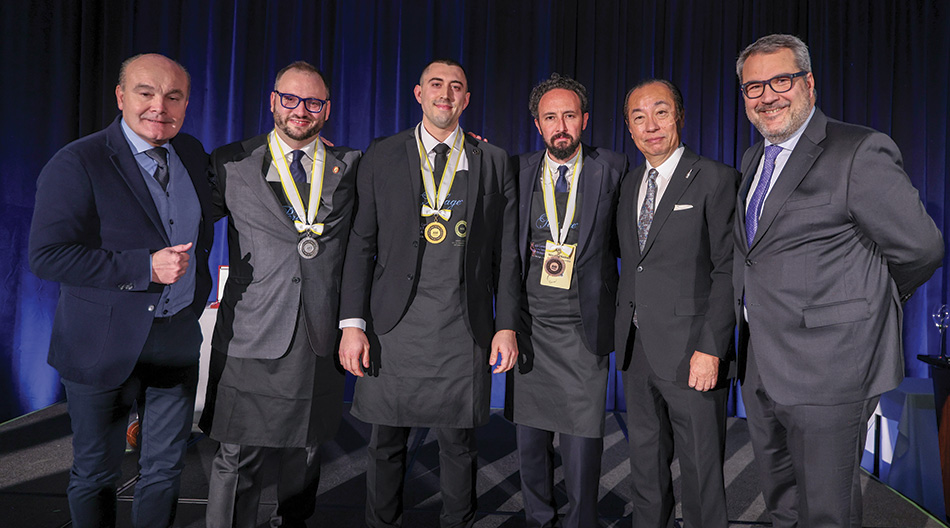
pixel 121 223
pixel 568 244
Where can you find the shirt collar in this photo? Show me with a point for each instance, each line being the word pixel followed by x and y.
pixel 789 144
pixel 552 165
pixel 138 144
pixel 429 141
pixel 666 168
pixel 307 149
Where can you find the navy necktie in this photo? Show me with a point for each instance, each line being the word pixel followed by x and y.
pixel 754 210
pixel 561 184
pixel 160 155
pixel 298 172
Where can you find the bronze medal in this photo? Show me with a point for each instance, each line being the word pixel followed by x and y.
pixel 554 266
pixel 308 247
pixel 435 232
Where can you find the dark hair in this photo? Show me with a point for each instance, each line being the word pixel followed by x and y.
pixel 303 66
pixel 133 58
pixel 554 82
pixel 447 62
pixel 677 99
pixel 774 43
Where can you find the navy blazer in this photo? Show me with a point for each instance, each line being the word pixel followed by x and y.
pixel 597 250
pixel 94 229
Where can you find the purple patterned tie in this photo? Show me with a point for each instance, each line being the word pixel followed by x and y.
pixel 647 209
pixel 754 210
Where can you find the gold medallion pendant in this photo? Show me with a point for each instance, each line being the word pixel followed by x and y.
pixel 435 232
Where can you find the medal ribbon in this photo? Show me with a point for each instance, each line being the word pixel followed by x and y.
pixel 290 187
pixel 559 233
pixel 428 179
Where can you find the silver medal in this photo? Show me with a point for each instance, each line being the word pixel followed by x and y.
pixel 308 247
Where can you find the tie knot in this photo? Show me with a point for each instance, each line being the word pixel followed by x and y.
pixel 562 171
pixel 653 174
pixel 159 154
pixel 441 149
pixel 772 152
pixel 298 156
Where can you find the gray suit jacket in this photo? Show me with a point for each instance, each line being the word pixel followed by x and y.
pixel 680 283
pixel 268 282
pixel 843 238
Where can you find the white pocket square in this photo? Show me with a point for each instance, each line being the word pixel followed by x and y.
pixel 682 207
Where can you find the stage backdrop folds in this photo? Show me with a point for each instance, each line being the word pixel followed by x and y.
pixel 882 63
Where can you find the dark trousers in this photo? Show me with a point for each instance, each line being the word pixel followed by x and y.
pixel 580 458
pixel 662 414
pixel 163 382
pixel 234 488
pixel 386 475
pixel 808 457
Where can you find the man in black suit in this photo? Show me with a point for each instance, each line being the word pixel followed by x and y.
pixel 275 391
pixel 674 313
pixel 433 245
pixel 122 223
pixel 830 238
pixel 568 243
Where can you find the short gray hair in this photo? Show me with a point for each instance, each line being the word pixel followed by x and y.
pixel 774 43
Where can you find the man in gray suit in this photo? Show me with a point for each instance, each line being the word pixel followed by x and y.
pixel 674 322
pixel 275 389
pixel 831 238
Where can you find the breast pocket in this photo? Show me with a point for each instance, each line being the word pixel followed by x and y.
pixel 808 202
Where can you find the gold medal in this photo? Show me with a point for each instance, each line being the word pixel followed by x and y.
pixel 435 232
pixel 461 228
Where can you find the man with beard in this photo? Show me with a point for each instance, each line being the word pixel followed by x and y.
pixel 433 245
pixel 674 323
pixel 275 390
pixel 568 244
pixel 122 222
pixel 830 239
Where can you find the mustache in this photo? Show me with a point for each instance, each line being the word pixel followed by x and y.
pixel 562 135
pixel 772 106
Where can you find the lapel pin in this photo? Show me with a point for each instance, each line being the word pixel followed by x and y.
pixel 688 173
pixel 336 170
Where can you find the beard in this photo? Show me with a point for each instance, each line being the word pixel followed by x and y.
pixel 799 109
pixel 562 153
pixel 295 133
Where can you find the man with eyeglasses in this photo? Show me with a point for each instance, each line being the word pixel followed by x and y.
pixel 430 299
pixel 831 238
pixel 274 389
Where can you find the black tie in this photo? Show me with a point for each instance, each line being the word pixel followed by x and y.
pixel 441 151
pixel 160 155
pixel 297 171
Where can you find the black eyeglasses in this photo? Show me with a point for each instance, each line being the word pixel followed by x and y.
pixel 291 101
pixel 778 84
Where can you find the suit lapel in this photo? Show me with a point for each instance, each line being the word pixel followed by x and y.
pixel 333 172
pixel 684 174
pixel 474 178
pixel 750 165
pixel 590 181
pixel 414 184
pixel 252 170
pixel 528 174
pixel 798 164
pixel 131 172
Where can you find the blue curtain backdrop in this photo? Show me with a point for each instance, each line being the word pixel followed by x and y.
pixel 882 63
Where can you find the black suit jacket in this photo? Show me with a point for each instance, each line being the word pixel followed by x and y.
pixel 597 252
pixel 842 239
pixel 94 229
pixel 384 249
pixel 680 285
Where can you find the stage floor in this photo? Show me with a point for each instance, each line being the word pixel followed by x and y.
pixel 35 455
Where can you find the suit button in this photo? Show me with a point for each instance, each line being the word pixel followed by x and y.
pixel 748 262
pixel 151 307
pixel 639 269
pixel 631 304
pixel 295 280
pixel 409 276
pixel 415 243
